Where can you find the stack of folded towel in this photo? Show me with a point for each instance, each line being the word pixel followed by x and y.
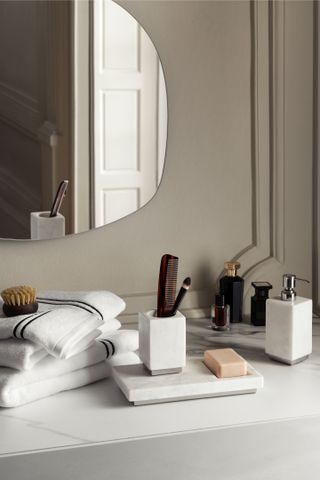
pixel 64 345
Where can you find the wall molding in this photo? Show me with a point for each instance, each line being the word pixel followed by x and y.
pixel 195 305
pixel 316 169
pixel 267 146
pixel 267 255
pixel 259 250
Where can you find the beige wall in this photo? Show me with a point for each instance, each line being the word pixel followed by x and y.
pixel 232 186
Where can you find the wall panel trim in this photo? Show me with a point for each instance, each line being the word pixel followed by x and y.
pixel 267 96
pixel 316 169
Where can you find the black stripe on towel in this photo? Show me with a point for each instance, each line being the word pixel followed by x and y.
pixel 73 303
pixel 107 348
pixel 112 346
pixel 66 304
pixel 14 333
pixel 30 321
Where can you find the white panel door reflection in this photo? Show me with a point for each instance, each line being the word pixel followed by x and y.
pixel 130 114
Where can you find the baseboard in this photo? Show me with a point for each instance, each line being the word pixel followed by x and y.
pixel 195 305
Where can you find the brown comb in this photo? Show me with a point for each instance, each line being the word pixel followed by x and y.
pixel 167 285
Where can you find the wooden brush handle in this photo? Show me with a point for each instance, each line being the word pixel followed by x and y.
pixel 14 310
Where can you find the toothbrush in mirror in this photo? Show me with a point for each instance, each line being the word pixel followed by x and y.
pixel 58 199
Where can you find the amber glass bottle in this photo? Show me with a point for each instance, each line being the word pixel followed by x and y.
pixel 220 314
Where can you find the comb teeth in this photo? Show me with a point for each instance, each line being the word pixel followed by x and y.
pixel 171 283
pixel 167 285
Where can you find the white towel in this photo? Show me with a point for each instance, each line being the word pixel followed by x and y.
pixel 120 341
pixel 14 395
pixel 106 305
pixel 24 355
pixel 130 358
pixel 66 322
pixel 20 354
pixel 62 331
pixel 53 376
pixel 109 326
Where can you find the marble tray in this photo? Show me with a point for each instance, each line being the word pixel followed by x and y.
pixel 195 381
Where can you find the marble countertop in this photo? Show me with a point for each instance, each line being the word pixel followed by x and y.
pixel 99 414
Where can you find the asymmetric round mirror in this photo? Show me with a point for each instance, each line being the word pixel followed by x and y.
pixel 83 99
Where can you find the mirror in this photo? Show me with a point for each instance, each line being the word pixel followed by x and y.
pixel 83 98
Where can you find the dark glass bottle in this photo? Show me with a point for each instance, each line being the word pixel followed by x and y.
pixel 258 303
pixel 220 314
pixel 231 286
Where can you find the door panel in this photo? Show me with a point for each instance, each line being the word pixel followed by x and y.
pixel 126 124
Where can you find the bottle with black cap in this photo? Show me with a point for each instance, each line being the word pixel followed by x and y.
pixel 258 303
pixel 231 286
pixel 220 315
pixel 289 324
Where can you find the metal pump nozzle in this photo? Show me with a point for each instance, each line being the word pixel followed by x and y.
pixel 289 285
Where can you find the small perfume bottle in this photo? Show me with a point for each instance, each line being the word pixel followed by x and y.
pixel 231 286
pixel 220 314
pixel 289 324
pixel 258 303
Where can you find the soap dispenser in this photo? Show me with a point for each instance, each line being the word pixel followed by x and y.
pixel 289 324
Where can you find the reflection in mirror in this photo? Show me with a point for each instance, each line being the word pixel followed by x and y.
pixel 92 110
pixel 128 114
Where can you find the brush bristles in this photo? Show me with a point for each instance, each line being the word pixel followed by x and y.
pixel 186 283
pixel 20 295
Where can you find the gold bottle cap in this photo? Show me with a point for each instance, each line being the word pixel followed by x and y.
pixel 232 268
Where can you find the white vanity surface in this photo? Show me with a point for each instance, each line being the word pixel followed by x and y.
pixel 88 433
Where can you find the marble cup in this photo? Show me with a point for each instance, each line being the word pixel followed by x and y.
pixel 43 227
pixel 162 342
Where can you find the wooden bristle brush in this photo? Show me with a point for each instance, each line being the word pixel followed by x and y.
pixel 167 285
pixel 19 300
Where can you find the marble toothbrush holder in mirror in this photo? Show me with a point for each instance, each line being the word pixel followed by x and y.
pixel 162 342
pixel 44 227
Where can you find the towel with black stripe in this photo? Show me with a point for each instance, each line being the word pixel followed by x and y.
pixel 62 332
pixel 51 375
pixel 24 355
pixel 107 305
pixel 66 322
pixel 119 342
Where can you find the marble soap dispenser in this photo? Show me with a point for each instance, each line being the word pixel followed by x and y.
pixel 289 324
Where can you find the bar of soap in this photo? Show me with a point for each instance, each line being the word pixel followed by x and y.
pixel 225 363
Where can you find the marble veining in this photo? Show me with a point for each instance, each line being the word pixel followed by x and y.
pixel 29 423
